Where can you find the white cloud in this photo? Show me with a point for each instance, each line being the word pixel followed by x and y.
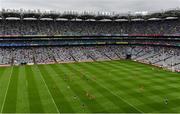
pixel 92 5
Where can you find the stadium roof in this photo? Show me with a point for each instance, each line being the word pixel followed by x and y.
pixel 21 14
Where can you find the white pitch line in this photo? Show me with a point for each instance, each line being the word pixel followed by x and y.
pixel 117 95
pixel 48 89
pixel 122 99
pixel 7 90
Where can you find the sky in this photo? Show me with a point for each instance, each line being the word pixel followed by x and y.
pixel 121 6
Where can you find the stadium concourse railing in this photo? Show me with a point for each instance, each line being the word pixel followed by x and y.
pixel 101 39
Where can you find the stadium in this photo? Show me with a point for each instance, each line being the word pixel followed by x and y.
pixel 86 62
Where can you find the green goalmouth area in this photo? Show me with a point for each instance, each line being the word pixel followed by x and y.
pixel 110 86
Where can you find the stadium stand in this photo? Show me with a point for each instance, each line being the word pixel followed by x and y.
pixel 34 27
pixel 38 51
pixel 164 57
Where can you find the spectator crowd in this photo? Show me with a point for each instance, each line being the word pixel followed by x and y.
pixel 168 57
pixel 160 56
pixel 48 27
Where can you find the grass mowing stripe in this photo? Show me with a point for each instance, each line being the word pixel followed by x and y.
pixel 158 106
pixel 142 73
pixel 107 91
pixel 11 98
pixel 58 96
pixel 50 103
pixel 22 92
pixel 4 77
pixel 2 72
pixel 33 93
pixel 125 85
pixel 7 89
pixel 116 76
pixel 76 103
pixel 130 72
pixel 123 106
pixel 82 91
pixel 45 96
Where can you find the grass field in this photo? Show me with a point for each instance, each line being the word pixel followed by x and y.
pixel 111 86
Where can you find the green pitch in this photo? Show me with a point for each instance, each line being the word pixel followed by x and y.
pixel 111 86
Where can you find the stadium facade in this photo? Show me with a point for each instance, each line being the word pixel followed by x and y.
pixel 42 38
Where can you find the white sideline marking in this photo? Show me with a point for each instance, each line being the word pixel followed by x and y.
pixel 48 90
pixel 7 90
pixel 115 95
